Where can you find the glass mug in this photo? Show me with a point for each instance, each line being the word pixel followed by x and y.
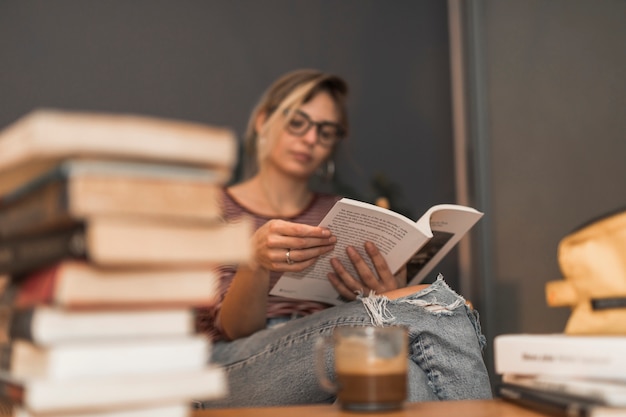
pixel 370 366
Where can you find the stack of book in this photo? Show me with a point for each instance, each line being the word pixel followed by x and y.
pixel 562 374
pixel 109 236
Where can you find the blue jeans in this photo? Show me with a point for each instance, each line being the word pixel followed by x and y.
pixel 276 366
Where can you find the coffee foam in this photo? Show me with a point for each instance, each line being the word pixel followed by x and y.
pixel 352 356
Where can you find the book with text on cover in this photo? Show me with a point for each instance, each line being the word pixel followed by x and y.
pixel 423 243
pixel 560 354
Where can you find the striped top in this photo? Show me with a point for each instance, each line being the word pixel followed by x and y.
pixel 277 306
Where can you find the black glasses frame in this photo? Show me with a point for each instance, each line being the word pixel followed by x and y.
pixel 318 126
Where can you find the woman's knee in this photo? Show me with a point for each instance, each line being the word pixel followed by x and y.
pixel 403 292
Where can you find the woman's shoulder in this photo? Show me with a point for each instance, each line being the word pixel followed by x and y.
pixel 231 208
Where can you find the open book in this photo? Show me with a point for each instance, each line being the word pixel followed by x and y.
pixel 401 240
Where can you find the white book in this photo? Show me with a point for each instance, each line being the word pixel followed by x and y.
pixel 100 358
pixel 51 325
pixel 423 243
pixel 560 354
pixel 89 394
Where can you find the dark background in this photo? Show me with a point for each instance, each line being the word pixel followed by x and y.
pixel 209 61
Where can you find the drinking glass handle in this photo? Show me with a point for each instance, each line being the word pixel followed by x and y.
pixel 322 345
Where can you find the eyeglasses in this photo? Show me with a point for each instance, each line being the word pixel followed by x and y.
pixel 328 133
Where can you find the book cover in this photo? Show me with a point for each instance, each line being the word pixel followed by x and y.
pixel 39 140
pixel 561 354
pixel 400 240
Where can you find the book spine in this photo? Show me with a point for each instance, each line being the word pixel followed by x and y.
pixel 24 255
pixel 21 324
pixel 608 303
pixel 11 391
pixel 6 350
pixel 45 208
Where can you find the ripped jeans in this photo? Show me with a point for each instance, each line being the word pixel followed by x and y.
pixel 276 366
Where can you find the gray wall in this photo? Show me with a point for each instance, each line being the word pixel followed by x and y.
pixel 210 60
pixel 549 124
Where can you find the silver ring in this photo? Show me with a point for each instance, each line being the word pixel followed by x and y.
pixel 288 255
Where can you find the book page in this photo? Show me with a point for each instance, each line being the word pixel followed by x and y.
pixel 354 223
pixel 449 223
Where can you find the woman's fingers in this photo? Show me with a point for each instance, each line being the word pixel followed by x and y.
pixel 354 285
pixel 379 280
pixel 308 254
pixel 388 280
pixel 298 259
pixel 343 282
pixel 285 246
pixel 366 275
pixel 283 234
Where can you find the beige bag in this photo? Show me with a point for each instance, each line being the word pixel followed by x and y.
pixel 593 263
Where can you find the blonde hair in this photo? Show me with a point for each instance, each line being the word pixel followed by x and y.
pixel 283 97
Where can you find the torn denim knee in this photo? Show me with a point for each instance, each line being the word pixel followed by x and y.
pixel 377 305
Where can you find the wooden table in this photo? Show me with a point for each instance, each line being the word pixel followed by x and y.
pixel 482 408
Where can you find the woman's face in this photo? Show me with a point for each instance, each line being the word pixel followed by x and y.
pixel 299 155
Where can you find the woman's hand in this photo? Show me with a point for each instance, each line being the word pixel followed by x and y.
pixel 380 281
pixel 250 285
pixel 280 245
